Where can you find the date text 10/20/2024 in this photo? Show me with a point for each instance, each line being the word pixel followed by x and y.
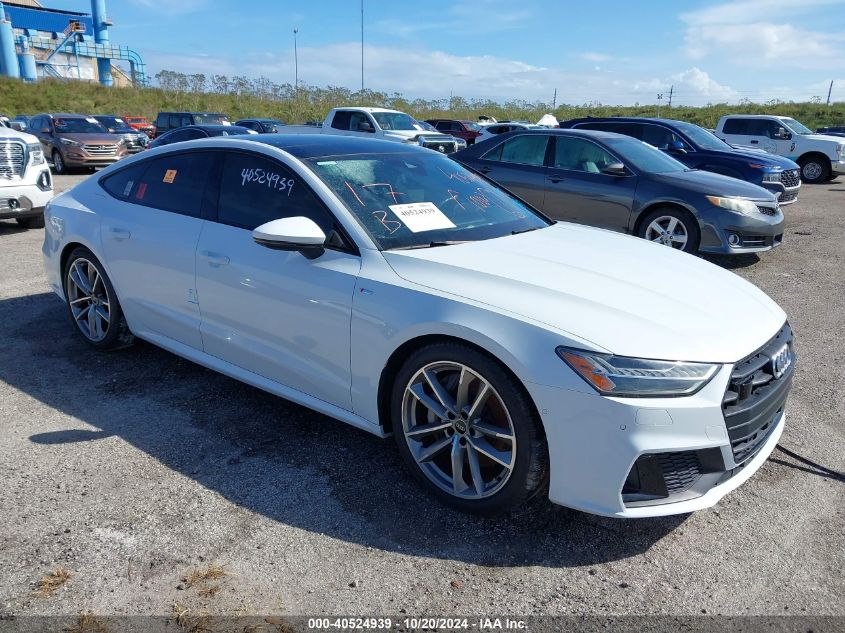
pixel 417 623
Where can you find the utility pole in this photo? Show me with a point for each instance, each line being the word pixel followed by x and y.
pixel 362 46
pixel 659 99
pixel 829 90
pixel 554 100
pixel 295 60
pixel 671 90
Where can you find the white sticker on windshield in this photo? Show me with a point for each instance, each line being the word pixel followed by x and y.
pixel 421 216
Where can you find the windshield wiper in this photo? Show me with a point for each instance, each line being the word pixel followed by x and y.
pixel 530 228
pixel 428 245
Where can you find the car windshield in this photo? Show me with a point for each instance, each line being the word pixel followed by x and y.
pixel 115 124
pixel 796 127
pixel 78 125
pixel 420 199
pixel 395 121
pixel 701 137
pixel 211 119
pixel 643 156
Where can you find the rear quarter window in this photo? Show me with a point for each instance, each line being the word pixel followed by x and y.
pixel 736 126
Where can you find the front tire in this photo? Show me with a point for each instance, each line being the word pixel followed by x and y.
pixel 59 163
pixel 671 227
pixel 92 303
pixel 34 222
pixel 815 169
pixel 467 431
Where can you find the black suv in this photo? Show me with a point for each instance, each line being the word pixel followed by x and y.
pixel 166 121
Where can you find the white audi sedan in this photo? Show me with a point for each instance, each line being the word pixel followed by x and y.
pixel 387 286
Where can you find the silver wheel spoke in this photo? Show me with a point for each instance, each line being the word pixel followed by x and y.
pixel 458 483
pixel 102 313
pixel 429 452
pixel 428 429
pixel 480 401
pixel 440 391
pixel 83 313
pixel 463 387
pixel 672 224
pixel 475 469
pixel 80 300
pixel 93 324
pixel 427 401
pixel 80 280
pixel 492 431
pixel 484 447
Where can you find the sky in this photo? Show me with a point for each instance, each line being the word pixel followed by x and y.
pixel 610 51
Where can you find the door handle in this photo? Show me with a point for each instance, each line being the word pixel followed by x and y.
pixel 120 234
pixel 555 179
pixel 754 142
pixel 214 259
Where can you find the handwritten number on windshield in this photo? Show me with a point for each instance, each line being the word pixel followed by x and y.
pixel 271 179
pixel 391 226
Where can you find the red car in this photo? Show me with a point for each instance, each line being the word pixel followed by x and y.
pixel 140 123
pixel 466 130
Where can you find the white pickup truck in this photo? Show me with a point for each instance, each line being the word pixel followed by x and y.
pixel 390 125
pixel 25 182
pixel 821 157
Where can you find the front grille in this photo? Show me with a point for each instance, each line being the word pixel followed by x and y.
pixel 100 150
pixel 767 210
pixel 790 178
pixel 756 396
pixel 680 470
pixel 788 196
pixel 12 159
pixel 754 240
pixel 444 146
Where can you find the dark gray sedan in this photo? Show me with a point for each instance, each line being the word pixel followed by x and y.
pixel 619 183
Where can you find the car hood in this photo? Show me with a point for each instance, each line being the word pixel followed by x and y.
pixel 90 138
pixel 403 134
pixel 621 294
pixel 759 155
pixel 8 133
pixel 711 184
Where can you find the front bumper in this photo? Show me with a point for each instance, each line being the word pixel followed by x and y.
pixel 23 200
pixel 838 167
pixel 597 443
pixel 77 157
pixel 729 233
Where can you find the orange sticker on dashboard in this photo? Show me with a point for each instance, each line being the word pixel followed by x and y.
pixel 169 176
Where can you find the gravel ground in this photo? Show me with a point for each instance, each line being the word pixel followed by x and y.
pixel 135 468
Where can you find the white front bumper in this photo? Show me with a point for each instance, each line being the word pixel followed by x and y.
pixel 594 441
pixel 838 167
pixel 25 192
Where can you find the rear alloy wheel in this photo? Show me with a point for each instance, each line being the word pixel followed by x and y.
pixel 59 162
pixel 671 227
pixel 815 169
pixel 467 431
pixel 92 303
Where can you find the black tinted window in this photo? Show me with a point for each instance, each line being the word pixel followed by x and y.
pixel 528 149
pixel 578 154
pixel 161 120
pixel 658 136
pixel 255 189
pixel 175 182
pixel 341 120
pixel 737 126
pixel 185 135
pixel 122 184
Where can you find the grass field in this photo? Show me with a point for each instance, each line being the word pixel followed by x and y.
pixel 240 97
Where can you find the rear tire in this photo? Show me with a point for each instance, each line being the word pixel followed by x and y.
pixel 34 222
pixel 815 169
pixel 671 227
pixel 488 432
pixel 92 303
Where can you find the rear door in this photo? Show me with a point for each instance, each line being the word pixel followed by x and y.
pixel 149 238
pixel 577 190
pixel 518 164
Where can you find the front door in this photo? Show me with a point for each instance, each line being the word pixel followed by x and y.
pixel 275 313
pixel 578 191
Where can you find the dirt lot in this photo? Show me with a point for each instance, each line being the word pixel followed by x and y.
pixel 133 469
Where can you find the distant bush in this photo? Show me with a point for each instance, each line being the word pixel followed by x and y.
pixel 241 97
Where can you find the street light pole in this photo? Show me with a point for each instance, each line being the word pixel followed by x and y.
pixel 295 61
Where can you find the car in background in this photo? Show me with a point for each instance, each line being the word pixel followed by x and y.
pixel 466 130
pixel 140 123
pixel 387 286
pixel 834 130
pixel 697 148
pixel 489 131
pixel 821 157
pixel 262 126
pixel 166 121
pixel 25 182
pixel 76 140
pixel 135 141
pixel 619 183
pixel 194 132
pixel 20 122
pixel 5 121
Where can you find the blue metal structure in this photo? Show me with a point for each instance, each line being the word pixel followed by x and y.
pixel 52 40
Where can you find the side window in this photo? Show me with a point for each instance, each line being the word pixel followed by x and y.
pixel 528 149
pixel 175 182
pixel 658 136
pixel 341 120
pixel 442 126
pixel 255 189
pixel 184 135
pixel 768 128
pixel 186 119
pixel 162 120
pixel 122 184
pixel 577 154
pixel 356 119
pixel 736 126
pixel 174 120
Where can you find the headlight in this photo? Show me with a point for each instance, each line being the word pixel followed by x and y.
pixel 460 143
pixel 36 152
pixel 67 141
pixel 740 205
pixel 637 377
pixel 841 150
pixel 772 176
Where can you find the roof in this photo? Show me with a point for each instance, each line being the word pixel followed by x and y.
pixel 367 109
pixel 756 116
pixel 316 145
pixel 211 127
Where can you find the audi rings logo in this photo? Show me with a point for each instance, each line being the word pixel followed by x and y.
pixel 781 361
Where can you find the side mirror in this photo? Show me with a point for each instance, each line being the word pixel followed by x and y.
pixel 365 126
pixel 615 169
pixel 292 234
pixel 783 134
pixel 45 130
pixel 676 147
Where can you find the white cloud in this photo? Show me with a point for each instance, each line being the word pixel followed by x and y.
pixel 595 57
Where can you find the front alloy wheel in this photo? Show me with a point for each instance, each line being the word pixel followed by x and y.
pixel 467 430
pixel 59 162
pixel 669 231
